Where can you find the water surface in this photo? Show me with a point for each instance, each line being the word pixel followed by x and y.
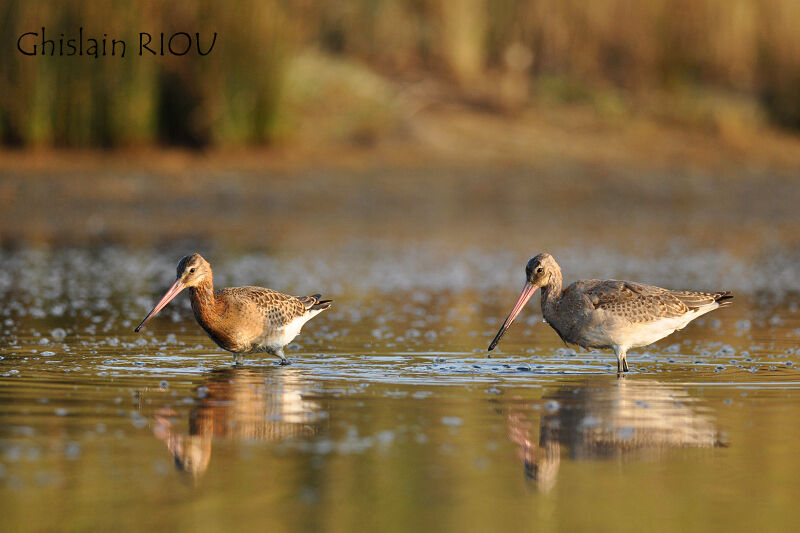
pixel 390 417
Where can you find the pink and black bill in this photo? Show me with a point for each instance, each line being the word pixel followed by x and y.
pixel 527 292
pixel 173 291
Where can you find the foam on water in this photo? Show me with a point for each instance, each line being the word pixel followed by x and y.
pixel 101 285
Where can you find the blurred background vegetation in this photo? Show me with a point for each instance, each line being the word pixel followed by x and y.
pixel 287 70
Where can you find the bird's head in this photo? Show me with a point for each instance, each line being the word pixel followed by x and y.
pixel 539 271
pixel 192 271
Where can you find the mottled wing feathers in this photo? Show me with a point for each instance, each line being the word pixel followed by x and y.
pixel 275 306
pixel 696 300
pixel 637 302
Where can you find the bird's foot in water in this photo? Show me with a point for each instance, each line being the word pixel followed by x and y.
pixel 284 361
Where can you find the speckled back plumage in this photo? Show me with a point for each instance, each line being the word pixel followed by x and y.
pixel 638 302
pixel 254 319
pixel 277 308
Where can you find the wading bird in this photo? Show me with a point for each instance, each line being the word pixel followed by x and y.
pixel 242 320
pixel 609 313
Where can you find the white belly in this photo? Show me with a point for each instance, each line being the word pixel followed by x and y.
pixel 643 334
pixel 292 329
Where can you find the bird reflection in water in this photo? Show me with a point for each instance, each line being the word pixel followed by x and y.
pixel 602 419
pixel 242 404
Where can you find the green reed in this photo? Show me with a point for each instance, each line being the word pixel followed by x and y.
pixel 234 95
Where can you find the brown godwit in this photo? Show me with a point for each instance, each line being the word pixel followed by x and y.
pixel 609 313
pixel 242 320
pixel 235 405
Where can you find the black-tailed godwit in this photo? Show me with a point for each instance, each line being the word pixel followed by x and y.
pixel 609 313
pixel 242 320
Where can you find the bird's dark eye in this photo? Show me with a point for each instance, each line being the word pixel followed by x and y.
pixel 191 270
pixel 538 270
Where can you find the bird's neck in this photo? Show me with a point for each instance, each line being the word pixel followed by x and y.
pixel 551 294
pixel 204 303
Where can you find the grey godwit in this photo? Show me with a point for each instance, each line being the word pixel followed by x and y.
pixel 595 419
pixel 609 313
pixel 242 320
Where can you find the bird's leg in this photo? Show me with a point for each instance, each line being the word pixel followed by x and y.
pixel 279 353
pixel 236 357
pixel 622 362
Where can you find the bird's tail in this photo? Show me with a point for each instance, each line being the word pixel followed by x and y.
pixel 313 302
pixel 723 298
pixel 321 305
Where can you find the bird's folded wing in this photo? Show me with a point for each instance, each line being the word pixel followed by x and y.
pixel 637 302
pixel 275 305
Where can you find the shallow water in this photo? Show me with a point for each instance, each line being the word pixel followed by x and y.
pixel 391 416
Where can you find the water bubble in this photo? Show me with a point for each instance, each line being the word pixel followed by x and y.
pixel 625 433
pixel 12 453
pixel 72 450
pixel 138 420
pixel 590 421
pixel 58 334
pixel 726 350
pixel 385 437
pixel 451 421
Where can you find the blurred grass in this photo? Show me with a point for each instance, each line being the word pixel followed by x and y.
pixel 296 69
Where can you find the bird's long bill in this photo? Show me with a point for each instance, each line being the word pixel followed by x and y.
pixel 173 291
pixel 527 292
